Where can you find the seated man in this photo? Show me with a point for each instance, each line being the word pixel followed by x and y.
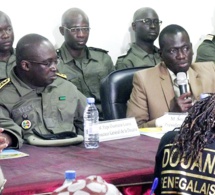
pixel 36 104
pixel 185 158
pixel 155 91
pixel 143 52
pixel 206 50
pixel 7 53
pixel 84 66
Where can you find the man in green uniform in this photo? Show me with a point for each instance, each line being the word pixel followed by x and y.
pixel 206 50
pixel 7 53
pixel 36 105
pixel 143 52
pixel 84 66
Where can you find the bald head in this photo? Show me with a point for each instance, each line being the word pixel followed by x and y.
pixel 4 16
pixel 6 34
pixel 36 61
pixel 146 25
pixel 143 13
pixel 78 21
pixel 27 46
pixel 72 15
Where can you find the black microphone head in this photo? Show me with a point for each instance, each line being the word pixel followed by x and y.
pixel 182 78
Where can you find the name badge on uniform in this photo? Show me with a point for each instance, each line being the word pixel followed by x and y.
pixel 62 98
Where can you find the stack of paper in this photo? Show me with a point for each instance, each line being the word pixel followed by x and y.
pixel 155 132
pixel 11 153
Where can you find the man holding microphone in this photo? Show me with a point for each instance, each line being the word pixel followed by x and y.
pixel 156 90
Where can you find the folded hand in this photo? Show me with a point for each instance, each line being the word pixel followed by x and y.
pixel 3 141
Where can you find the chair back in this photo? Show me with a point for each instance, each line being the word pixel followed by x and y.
pixel 115 91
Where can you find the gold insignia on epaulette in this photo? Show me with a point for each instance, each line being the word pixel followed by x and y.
pixel 4 82
pixel 61 75
pixel 209 37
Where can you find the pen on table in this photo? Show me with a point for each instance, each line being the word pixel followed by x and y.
pixel 154 186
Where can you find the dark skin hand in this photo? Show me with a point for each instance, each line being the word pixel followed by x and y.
pixel 185 102
pixel 5 140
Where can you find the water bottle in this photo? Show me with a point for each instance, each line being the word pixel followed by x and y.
pixel 70 176
pixel 91 118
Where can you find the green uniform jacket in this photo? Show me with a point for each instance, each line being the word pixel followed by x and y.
pixel 59 107
pixel 136 57
pixel 88 73
pixel 206 50
pixel 6 67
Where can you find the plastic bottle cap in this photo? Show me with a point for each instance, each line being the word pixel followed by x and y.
pixel 70 174
pixel 90 100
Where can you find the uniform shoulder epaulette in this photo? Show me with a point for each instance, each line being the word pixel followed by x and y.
pixel 61 75
pixel 4 82
pixel 97 49
pixel 209 37
pixel 122 56
pixel 125 54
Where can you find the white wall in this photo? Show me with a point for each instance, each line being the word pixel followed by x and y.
pixel 110 20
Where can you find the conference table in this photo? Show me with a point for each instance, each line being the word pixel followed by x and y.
pixel 125 163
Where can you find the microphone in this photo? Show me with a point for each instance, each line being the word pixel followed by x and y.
pixel 182 82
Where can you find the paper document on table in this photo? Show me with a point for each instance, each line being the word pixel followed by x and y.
pixel 155 132
pixel 171 121
pixel 11 153
pixel 117 129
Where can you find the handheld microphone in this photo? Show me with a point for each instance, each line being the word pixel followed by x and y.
pixel 182 82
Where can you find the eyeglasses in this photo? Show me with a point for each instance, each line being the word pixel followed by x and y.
pixel 47 63
pixel 148 21
pixel 78 29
